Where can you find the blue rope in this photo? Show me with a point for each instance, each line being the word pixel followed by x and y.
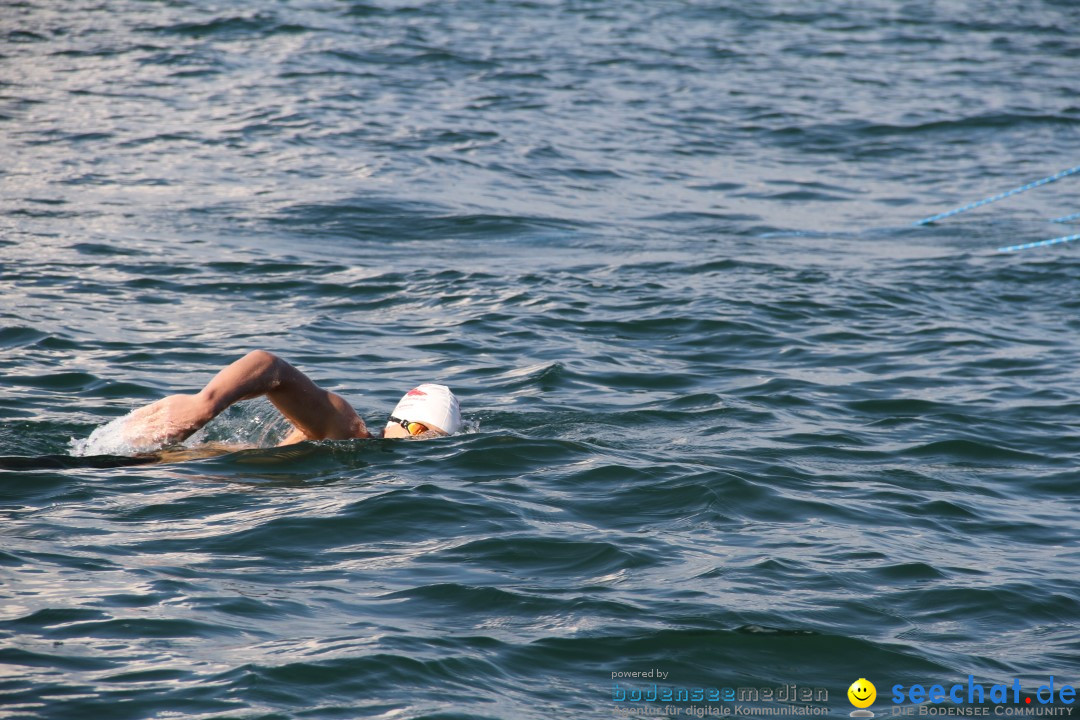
pixel 1066 218
pixel 1040 243
pixel 995 198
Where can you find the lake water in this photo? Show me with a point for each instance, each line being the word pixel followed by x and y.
pixel 730 415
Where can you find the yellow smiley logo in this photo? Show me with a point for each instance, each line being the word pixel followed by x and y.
pixel 862 693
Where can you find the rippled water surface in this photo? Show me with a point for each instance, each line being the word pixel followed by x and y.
pixel 730 414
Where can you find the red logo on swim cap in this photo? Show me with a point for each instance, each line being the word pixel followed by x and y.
pixel 415 391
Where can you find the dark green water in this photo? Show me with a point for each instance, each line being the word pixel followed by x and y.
pixel 730 415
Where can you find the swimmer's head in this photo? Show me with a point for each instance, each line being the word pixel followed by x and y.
pixel 425 408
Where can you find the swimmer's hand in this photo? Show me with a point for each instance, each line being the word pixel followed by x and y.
pixel 166 422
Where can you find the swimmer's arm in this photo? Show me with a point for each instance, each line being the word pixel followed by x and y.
pixel 316 413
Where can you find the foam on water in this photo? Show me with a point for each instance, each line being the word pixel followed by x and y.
pixel 245 425
pixel 111 439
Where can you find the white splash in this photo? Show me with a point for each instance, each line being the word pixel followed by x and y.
pixel 251 424
pixel 112 438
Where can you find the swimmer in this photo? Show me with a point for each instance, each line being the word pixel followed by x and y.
pixel 427 410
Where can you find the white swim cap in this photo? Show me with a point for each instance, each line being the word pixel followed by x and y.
pixel 429 404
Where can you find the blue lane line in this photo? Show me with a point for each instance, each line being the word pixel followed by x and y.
pixel 1066 218
pixel 995 198
pixel 1040 243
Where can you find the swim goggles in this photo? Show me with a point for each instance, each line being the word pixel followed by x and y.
pixel 413 428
